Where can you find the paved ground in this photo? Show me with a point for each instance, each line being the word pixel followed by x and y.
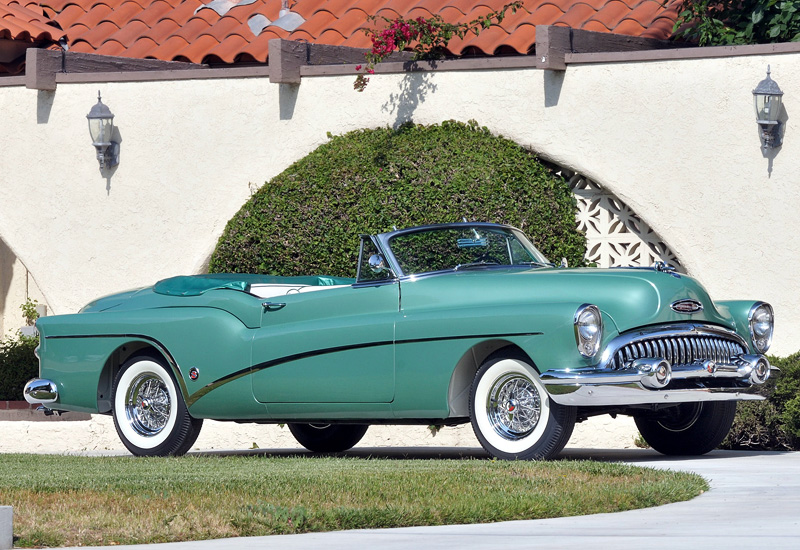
pixel 754 502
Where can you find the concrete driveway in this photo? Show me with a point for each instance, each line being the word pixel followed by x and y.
pixel 754 502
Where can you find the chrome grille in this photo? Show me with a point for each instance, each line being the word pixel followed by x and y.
pixel 680 350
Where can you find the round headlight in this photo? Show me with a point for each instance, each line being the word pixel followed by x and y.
pixel 762 323
pixel 588 330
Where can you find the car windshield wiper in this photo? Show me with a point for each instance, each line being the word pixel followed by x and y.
pixel 474 264
pixel 536 264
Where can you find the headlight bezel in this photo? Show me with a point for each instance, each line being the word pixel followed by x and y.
pixel 588 342
pixel 761 340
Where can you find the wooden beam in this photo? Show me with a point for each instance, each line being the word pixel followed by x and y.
pixel 41 66
pixel 285 59
pixel 287 56
pixel 553 43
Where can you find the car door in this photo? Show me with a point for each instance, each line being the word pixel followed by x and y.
pixel 327 345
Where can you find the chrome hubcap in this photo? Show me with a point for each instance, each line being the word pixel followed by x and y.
pixel 147 405
pixel 513 406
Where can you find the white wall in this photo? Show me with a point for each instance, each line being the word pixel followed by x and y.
pixel 676 140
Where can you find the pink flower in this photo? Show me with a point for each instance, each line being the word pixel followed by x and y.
pixel 358 67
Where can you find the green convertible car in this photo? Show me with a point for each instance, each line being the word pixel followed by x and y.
pixel 443 325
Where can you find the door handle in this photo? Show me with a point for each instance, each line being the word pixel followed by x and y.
pixel 273 306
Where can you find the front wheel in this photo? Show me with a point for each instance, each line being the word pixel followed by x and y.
pixel 689 428
pixel 328 438
pixel 149 413
pixel 512 414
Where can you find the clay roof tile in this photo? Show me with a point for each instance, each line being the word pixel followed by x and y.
pixel 228 49
pixel 111 47
pixel 193 28
pixel 128 34
pixel 629 27
pixel 153 13
pixel 95 36
pixel 94 16
pixel 169 48
pixel 127 11
pixel 611 14
pixel 142 49
pixel 176 29
pixel 69 15
pixel 576 15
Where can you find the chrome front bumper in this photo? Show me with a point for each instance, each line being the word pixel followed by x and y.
pixel 647 383
pixel 40 391
pixel 637 369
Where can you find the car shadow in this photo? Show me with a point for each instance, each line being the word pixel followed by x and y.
pixel 465 453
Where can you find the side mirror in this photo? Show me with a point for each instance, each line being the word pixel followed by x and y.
pixel 377 264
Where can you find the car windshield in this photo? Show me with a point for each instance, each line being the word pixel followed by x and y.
pixel 463 247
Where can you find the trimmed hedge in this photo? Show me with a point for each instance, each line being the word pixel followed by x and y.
pixel 774 424
pixel 307 219
pixel 18 364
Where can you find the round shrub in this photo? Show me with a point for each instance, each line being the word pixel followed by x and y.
pixel 774 424
pixel 18 364
pixel 307 219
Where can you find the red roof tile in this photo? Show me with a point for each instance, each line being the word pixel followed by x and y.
pixel 26 22
pixel 188 30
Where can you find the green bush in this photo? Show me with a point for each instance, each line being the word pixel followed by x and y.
pixel 307 219
pixel 774 424
pixel 18 364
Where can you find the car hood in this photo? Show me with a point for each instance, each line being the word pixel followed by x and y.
pixel 631 297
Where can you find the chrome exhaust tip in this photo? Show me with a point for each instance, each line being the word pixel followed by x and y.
pixel 656 373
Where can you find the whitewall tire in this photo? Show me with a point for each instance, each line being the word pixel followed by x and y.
pixel 512 414
pixel 150 415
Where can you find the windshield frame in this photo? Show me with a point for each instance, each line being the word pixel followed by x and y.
pixel 385 240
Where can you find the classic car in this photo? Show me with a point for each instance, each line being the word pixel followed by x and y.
pixel 442 325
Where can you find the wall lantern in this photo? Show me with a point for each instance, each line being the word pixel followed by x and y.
pixel 101 126
pixel 767 99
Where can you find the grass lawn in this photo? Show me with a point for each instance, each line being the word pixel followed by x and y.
pixel 69 500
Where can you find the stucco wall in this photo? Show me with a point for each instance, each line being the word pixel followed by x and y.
pixel 676 140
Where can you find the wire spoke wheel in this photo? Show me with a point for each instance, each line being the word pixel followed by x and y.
pixel 513 407
pixel 147 404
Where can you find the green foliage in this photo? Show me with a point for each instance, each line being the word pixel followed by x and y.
pixel 727 22
pixel 18 364
pixel 773 424
pixel 29 311
pixel 307 219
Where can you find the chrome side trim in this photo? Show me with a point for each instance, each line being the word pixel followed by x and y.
pixel 40 391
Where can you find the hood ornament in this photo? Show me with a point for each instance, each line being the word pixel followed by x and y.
pixel 686 306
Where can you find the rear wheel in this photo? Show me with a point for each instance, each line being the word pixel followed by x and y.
pixel 689 428
pixel 512 414
pixel 150 415
pixel 328 438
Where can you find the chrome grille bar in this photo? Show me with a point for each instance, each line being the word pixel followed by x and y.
pixel 680 350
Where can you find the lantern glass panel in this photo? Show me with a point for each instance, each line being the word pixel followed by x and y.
pixel 768 107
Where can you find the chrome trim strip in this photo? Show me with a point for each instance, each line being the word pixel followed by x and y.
pixel 596 396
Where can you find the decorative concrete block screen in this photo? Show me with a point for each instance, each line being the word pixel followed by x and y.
pixel 615 235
